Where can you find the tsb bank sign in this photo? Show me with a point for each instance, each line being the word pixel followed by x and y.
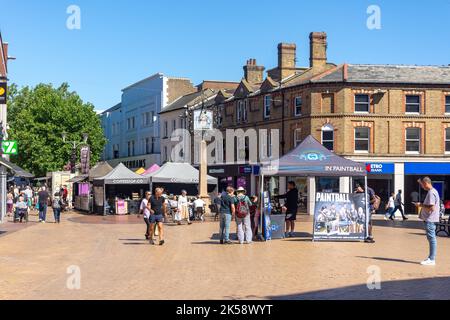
pixel 380 168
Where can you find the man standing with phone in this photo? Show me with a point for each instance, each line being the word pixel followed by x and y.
pixel 430 215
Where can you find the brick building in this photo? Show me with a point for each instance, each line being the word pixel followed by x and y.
pixel 394 118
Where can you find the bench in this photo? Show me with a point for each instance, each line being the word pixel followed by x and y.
pixel 443 226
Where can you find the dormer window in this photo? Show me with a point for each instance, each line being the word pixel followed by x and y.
pixel 267 106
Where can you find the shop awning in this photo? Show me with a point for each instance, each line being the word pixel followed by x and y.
pixel 16 170
pixel 182 173
pixel 311 158
pixel 121 175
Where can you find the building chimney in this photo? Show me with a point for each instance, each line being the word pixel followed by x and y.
pixel 287 55
pixel 318 49
pixel 252 72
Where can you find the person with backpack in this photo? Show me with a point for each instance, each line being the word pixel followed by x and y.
pixel 57 206
pixel 243 220
pixel 374 204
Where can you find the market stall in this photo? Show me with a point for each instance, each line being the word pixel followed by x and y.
pixel 82 186
pixel 174 177
pixel 119 192
pixel 337 216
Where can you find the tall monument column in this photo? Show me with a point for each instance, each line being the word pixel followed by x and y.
pixel 203 178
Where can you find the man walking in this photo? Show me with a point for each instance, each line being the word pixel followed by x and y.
pixel 43 197
pixel 398 206
pixel 291 208
pixel 158 210
pixel 227 211
pixel 430 216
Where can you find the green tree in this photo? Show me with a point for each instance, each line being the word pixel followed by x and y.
pixel 37 118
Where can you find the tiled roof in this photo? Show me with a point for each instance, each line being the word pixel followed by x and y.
pixel 181 102
pixel 388 74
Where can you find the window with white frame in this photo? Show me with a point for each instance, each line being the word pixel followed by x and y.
pixel 174 125
pixel 328 137
pixel 244 111
pixel 166 129
pixel 182 123
pixel 147 146
pixel 131 151
pixel 146 120
pixel 116 154
pixel 131 123
pixel 362 139
pixel 269 144
pixel 219 119
pixel 447 140
pixel 447 104
pixel 239 111
pixel 267 106
pixel 412 104
pixel 166 155
pixel 298 104
pixel 413 140
pixel 362 103
pixel 297 137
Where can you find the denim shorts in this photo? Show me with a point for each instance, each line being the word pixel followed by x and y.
pixel 156 218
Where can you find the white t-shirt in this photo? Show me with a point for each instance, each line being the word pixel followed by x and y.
pixel 391 202
pixel 144 207
pixel 199 203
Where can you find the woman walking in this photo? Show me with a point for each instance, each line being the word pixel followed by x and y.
pixel 183 207
pixel 9 203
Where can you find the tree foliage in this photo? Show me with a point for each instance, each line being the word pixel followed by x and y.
pixel 37 118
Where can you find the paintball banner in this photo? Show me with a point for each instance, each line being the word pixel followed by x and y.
pixel 340 217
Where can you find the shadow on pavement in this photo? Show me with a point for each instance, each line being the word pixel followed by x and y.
pixel 417 289
pixel 399 224
pixel 388 259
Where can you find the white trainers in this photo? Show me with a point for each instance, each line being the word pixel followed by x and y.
pixel 428 262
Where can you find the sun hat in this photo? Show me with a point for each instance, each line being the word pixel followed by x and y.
pixel 240 189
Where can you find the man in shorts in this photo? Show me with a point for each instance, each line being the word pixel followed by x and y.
pixel 158 210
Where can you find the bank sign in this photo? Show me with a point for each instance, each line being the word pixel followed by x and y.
pixel 10 147
pixel 380 168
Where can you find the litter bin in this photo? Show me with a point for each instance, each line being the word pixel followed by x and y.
pixel 278 226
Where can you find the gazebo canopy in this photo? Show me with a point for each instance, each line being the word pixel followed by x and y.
pixel 311 158
pixel 121 175
pixel 152 169
pixel 182 173
pixel 100 170
pixel 140 171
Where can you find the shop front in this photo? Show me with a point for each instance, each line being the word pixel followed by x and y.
pixel 380 177
pixel 439 173
pixel 236 176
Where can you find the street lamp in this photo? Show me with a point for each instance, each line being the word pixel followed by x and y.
pixel 75 145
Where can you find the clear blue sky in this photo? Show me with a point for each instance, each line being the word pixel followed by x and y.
pixel 121 42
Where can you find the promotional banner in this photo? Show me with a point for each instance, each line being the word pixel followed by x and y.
pixel 340 217
pixel 85 154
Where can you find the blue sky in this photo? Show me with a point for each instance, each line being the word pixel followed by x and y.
pixel 121 42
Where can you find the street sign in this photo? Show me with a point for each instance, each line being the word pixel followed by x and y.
pixel 203 120
pixel 10 147
pixel 3 90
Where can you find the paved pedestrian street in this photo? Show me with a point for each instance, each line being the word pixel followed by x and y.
pixel 116 263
